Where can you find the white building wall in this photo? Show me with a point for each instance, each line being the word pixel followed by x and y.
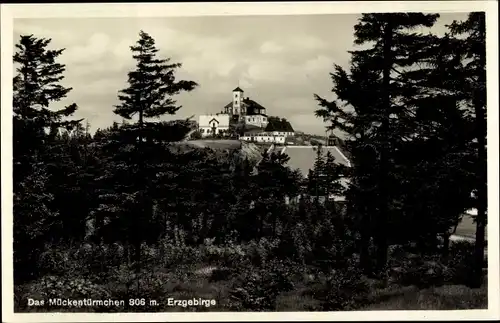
pixel 237 102
pixel 264 138
pixel 282 133
pixel 207 122
pixel 207 131
pixel 256 120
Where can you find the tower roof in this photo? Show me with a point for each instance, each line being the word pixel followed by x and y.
pixel 238 90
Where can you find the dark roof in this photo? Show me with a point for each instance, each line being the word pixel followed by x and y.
pixel 279 125
pixel 251 106
pixel 251 103
pixel 238 90
pixel 254 130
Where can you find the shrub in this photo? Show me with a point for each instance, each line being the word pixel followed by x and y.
pixel 66 287
pixel 219 274
pixel 425 271
pixel 224 255
pixel 416 270
pixel 125 284
pixel 258 288
pixel 173 254
pixel 459 263
pixel 259 252
pixel 342 289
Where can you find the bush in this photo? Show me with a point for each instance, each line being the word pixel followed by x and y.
pixel 425 271
pixel 459 263
pixel 63 287
pixel 257 289
pixel 259 252
pixel 342 289
pixel 173 254
pixel 196 135
pixel 409 269
pixel 224 255
pixel 125 284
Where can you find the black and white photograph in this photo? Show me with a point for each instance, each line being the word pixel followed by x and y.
pixel 268 159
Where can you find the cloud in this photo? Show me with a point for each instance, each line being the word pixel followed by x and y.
pixel 95 47
pixel 60 37
pixel 267 71
pixel 319 63
pixel 296 104
pixel 270 47
pixel 278 60
pixel 306 42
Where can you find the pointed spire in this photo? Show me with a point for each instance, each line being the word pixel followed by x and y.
pixel 238 89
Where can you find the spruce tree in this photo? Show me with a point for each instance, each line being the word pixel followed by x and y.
pixel 270 196
pixel 471 77
pixel 358 89
pixel 36 85
pixel 334 173
pixel 316 180
pixel 152 86
pixel 392 51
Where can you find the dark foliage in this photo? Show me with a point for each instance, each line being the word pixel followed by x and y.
pixel 90 208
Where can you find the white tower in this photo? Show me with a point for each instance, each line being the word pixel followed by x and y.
pixel 237 97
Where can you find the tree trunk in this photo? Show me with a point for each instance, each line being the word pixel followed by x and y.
pixel 127 252
pixel 137 234
pixel 479 103
pixel 381 232
pixel 446 246
pixel 482 198
pixel 364 254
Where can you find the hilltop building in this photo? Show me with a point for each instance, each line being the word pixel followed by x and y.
pixel 245 110
pixel 277 131
pixel 213 124
pixel 248 115
pixel 279 127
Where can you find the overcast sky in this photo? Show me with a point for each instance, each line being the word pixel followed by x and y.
pixel 279 61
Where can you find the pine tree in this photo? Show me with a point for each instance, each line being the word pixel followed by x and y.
pixel 394 48
pixel 269 195
pixel 471 76
pixel 360 90
pixel 36 85
pixel 334 174
pixel 316 178
pixel 152 86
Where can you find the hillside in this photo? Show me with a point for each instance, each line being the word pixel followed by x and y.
pixel 248 150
